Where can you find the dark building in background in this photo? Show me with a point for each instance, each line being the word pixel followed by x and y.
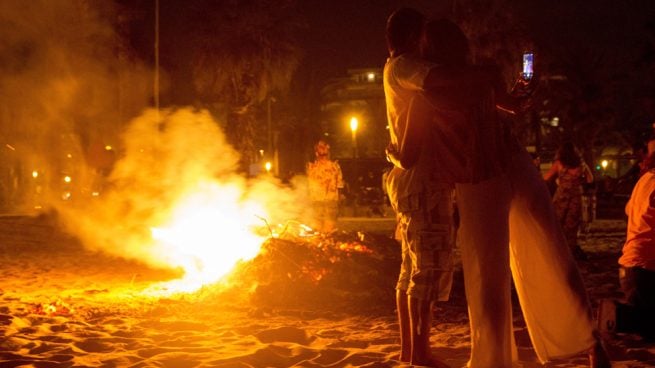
pixel 360 97
pixel 353 119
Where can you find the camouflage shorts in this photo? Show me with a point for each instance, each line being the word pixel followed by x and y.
pixel 426 271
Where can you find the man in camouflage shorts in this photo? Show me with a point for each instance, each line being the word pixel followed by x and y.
pixel 421 197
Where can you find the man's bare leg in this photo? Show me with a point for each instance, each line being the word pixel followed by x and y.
pixel 420 314
pixel 598 357
pixel 402 307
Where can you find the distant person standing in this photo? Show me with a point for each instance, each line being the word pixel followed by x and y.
pixel 571 172
pixel 325 182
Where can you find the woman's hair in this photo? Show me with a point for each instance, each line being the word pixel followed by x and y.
pixel 445 43
pixel 568 155
pixel 404 29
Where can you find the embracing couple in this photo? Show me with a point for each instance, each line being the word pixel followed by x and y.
pixel 450 149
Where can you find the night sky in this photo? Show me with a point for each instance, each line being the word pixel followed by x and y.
pixel 342 34
pixel 350 34
pixel 337 35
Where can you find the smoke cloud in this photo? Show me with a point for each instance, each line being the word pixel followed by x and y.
pixel 77 138
pixel 66 87
pixel 174 159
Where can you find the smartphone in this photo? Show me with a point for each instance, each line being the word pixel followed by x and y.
pixel 528 65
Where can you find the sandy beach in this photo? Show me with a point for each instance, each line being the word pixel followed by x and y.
pixel 64 306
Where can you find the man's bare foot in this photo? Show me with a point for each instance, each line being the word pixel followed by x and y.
pixel 429 362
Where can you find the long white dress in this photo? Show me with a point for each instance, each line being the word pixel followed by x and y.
pixel 547 280
pixel 483 238
pixel 516 209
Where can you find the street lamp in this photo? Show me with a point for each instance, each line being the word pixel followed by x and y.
pixel 354 124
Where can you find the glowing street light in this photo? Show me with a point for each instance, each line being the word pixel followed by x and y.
pixel 354 124
pixel 268 166
pixel 604 164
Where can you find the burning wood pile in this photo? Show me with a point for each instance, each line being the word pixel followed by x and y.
pixel 355 271
pixel 177 202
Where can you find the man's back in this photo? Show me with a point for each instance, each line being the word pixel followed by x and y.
pixel 403 80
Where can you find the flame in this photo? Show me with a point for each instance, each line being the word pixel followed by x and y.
pixel 209 232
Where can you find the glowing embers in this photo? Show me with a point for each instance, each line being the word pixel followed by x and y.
pixel 57 308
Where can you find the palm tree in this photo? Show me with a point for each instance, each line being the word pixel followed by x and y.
pixel 242 53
